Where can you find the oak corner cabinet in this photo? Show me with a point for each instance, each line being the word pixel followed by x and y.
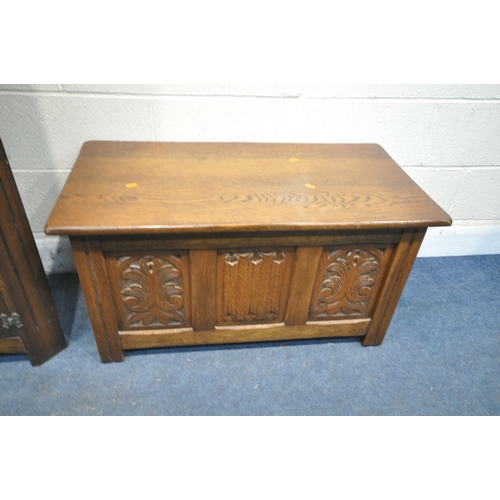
pixel 29 323
pixel 210 243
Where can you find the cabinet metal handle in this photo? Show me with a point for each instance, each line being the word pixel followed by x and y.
pixel 12 321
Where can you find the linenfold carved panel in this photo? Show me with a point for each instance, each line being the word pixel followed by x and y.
pixel 253 285
pixel 347 283
pixel 152 290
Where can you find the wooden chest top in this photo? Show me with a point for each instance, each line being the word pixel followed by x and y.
pixel 140 187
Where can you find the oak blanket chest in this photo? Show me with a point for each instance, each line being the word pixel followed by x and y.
pixel 204 243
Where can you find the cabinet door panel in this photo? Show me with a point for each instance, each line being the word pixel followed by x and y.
pixel 24 286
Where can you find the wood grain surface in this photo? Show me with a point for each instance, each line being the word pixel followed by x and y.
pixel 203 282
pixel 388 298
pixel 93 275
pixel 140 187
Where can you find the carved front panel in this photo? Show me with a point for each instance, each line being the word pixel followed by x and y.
pixel 253 285
pixel 151 290
pixel 347 282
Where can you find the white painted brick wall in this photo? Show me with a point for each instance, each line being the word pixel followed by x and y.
pixel 447 137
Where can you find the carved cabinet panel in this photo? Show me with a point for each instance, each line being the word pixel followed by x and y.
pixel 151 290
pixel 253 285
pixel 347 282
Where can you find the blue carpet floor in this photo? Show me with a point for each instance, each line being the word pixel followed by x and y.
pixel 441 356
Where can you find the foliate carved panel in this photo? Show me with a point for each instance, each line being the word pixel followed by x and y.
pixel 253 285
pixel 152 291
pixel 348 283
